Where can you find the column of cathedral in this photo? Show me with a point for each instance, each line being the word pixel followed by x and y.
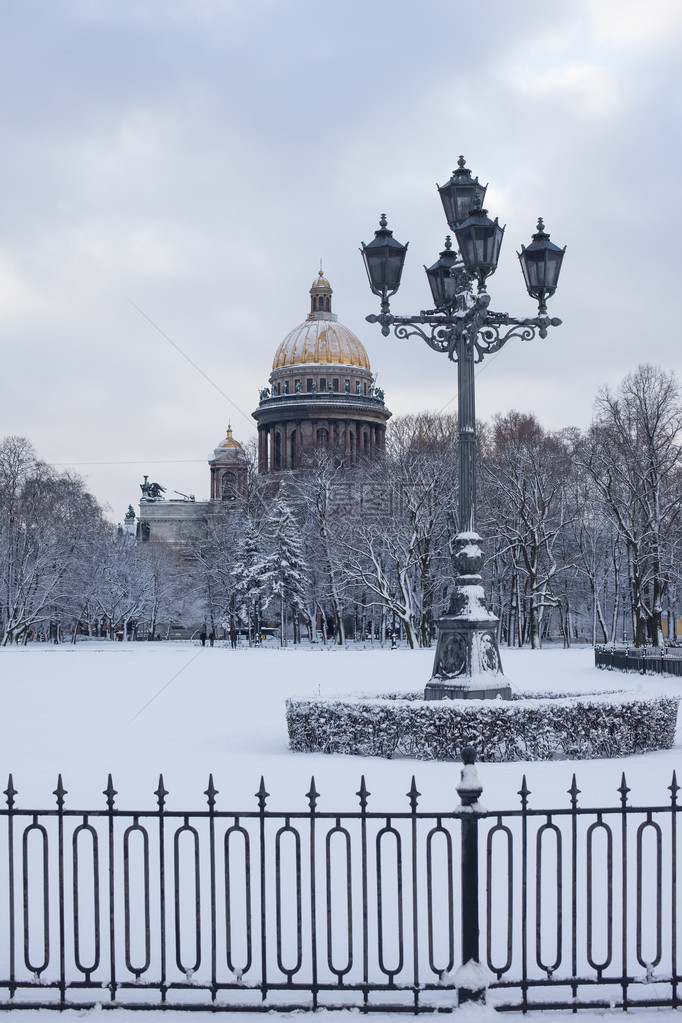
pixel 271 445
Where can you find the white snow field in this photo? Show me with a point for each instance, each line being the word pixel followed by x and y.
pixel 138 710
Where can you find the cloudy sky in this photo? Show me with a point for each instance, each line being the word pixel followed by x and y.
pixel 180 167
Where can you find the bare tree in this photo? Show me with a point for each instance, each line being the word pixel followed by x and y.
pixel 47 520
pixel 526 471
pixel 634 459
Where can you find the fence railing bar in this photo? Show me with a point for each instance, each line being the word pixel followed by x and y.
pixel 262 795
pixel 211 792
pixel 524 792
pixel 674 789
pixel 161 793
pixel 10 792
pixel 60 792
pixel 380 864
pixel 624 886
pixel 574 792
pixel 312 796
pixel 347 815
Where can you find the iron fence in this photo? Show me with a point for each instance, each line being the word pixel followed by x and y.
pixel 645 660
pixel 261 909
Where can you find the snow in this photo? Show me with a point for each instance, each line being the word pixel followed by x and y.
pixel 473 976
pixel 469 1013
pixel 137 710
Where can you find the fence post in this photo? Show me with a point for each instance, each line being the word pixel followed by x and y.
pixel 469 790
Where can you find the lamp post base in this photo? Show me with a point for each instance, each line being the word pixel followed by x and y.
pixel 467 664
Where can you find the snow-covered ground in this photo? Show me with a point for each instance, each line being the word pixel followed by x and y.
pixel 135 710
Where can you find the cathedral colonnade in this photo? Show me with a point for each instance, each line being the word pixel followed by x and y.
pixel 283 446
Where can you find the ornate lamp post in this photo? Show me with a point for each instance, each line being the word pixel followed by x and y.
pixel 467 663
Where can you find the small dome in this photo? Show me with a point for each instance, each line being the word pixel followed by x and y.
pixel 321 281
pixel 229 441
pixel 323 342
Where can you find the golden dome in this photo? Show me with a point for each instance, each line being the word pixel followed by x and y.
pixel 229 441
pixel 323 341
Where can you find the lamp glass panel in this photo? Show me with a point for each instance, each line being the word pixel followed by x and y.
pixel 442 287
pixel 375 260
pixel 458 200
pixel 394 267
pixel 553 267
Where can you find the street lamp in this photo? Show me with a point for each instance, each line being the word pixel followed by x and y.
pixel 384 258
pixel 467 662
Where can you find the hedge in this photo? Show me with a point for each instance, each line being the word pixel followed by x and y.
pixel 575 728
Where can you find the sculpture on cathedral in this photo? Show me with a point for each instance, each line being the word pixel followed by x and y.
pixel 346 386
pixel 264 393
pixel 298 387
pixel 130 514
pixel 151 491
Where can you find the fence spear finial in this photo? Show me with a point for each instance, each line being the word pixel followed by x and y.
pixel 110 792
pixel 623 789
pixel 211 792
pixel 161 793
pixel 312 794
pixel 524 792
pixel 573 792
pixel 60 792
pixel 10 792
pixel 262 795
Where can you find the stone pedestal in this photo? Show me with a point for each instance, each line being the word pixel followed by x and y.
pixel 467 664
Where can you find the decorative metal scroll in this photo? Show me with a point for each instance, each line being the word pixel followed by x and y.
pixel 483 330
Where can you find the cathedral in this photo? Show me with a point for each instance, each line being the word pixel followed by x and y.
pixel 321 396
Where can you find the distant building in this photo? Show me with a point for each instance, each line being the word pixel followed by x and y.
pixel 322 395
pixel 171 519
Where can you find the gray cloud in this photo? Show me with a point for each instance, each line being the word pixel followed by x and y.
pixel 199 158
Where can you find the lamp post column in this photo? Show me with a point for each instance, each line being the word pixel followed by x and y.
pixel 466 411
pixel 467 660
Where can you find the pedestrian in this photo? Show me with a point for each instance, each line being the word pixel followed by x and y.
pixel 211 637
pixel 233 637
pixel 202 637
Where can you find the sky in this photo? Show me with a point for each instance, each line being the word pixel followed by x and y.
pixel 173 173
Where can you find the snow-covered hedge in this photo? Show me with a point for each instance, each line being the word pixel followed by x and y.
pixel 577 727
